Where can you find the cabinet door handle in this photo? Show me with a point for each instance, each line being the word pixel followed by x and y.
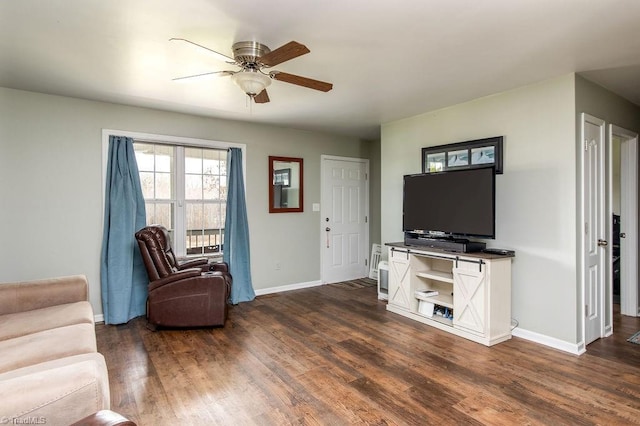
pixel 602 243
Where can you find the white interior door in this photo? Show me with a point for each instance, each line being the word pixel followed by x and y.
pixel 344 226
pixel 595 243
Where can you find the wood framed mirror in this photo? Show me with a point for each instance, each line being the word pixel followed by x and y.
pixel 285 185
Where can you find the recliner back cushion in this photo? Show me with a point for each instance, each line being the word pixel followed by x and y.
pixel 165 240
pixel 154 241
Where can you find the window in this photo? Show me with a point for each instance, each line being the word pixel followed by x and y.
pixel 185 189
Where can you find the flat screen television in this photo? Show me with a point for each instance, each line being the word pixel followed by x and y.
pixel 451 204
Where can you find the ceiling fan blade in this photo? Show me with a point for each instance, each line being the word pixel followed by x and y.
pixel 218 55
pixel 220 74
pixel 291 50
pixel 302 81
pixel 262 97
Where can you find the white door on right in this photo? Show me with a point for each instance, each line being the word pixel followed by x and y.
pixel 594 226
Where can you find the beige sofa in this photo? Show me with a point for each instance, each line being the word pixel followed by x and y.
pixel 50 370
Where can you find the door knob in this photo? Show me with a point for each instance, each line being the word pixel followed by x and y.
pixel 623 235
pixel 327 229
pixel 602 243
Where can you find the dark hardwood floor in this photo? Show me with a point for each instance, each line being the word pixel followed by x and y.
pixel 333 355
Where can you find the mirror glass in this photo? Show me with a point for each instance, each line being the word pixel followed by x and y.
pixel 285 184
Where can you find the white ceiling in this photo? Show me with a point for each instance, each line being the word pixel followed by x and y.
pixel 387 60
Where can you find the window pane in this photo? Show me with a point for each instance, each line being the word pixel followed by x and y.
pixel 211 162
pixel 164 187
pixel 160 213
pixel 150 209
pixel 223 187
pixel 146 181
pixel 164 158
pixel 193 160
pixel 211 187
pixel 211 215
pixel 194 231
pixel 164 215
pixel 194 216
pixel 195 241
pixel 144 156
pixel 193 187
pixel 219 239
pixel 223 164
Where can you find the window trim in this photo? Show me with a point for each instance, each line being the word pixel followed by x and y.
pixel 167 140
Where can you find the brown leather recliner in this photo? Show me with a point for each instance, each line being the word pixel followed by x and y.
pixel 180 293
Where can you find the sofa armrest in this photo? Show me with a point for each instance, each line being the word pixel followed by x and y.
pixel 57 392
pixel 104 418
pixel 30 295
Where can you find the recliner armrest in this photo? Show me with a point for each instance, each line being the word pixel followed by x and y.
pixel 219 266
pixel 177 276
pixel 192 263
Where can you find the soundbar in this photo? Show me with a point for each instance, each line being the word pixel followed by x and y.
pixel 455 245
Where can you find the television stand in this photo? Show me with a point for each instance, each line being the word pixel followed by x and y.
pixel 468 295
pixel 458 245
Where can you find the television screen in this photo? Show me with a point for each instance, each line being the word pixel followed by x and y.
pixel 453 203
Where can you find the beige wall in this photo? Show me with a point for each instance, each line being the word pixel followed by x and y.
pixel 374 192
pixel 51 186
pixel 536 195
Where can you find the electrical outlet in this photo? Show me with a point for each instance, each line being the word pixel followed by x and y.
pixel 277 266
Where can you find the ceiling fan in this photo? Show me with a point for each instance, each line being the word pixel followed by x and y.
pixel 254 60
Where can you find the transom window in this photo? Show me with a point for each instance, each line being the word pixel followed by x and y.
pixel 185 190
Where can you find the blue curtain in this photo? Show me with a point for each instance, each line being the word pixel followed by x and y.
pixel 236 231
pixel 122 272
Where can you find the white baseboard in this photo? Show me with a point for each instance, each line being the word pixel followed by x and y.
pixel 288 287
pixel 98 318
pixel 572 348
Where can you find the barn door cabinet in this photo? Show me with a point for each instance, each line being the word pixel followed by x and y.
pixel 466 294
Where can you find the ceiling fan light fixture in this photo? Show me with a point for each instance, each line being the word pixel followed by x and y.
pixel 251 82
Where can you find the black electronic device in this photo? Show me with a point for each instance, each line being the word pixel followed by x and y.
pixel 461 245
pixel 501 252
pixel 451 205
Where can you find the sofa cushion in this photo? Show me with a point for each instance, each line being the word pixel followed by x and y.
pixel 60 391
pixel 47 345
pixel 29 322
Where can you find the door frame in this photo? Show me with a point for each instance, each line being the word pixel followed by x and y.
pixel 630 163
pixel 629 303
pixel 365 161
